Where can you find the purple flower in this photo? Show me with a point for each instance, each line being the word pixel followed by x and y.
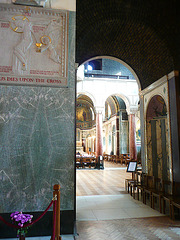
pixel 20 224
pixel 19 218
pixel 13 214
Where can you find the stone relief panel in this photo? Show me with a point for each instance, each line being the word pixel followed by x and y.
pixel 36 47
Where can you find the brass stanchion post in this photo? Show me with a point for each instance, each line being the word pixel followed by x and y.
pixel 56 193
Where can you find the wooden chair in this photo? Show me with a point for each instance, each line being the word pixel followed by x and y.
pixel 113 158
pixel 128 182
pixel 149 187
pixel 79 162
pixel 93 162
pixel 167 196
pixel 122 159
pixel 86 162
pixel 175 204
pixel 127 160
pixel 141 186
pixel 137 182
pixel 109 158
pixel 173 199
pixel 157 193
pixel 118 159
pixel 105 157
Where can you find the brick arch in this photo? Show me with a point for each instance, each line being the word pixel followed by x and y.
pixel 130 33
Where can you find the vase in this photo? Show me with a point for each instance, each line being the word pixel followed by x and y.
pixel 21 236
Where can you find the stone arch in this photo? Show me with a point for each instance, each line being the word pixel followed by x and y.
pixel 120 61
pixel 87 94
pixel 124 98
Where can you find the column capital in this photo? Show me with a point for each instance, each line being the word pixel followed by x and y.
pixel 99 109
pixel 132 110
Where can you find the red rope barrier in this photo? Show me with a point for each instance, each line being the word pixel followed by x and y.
pixel 29 224
pixel 9 224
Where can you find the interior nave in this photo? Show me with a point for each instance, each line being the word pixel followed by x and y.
pixel 88 91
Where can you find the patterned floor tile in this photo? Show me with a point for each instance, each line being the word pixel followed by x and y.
pixel 142 228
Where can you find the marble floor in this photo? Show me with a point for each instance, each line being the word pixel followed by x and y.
pixel 106 211
pixel 101 195
pixel 109 207
pixel 150 228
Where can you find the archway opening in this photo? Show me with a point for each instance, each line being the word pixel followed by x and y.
pixel 107 98
pixel 109 89
pixel 103 79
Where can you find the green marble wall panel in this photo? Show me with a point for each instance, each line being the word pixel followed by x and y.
pixel 37 127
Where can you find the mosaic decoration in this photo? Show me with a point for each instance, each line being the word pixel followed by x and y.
pixel 156 108
pixel 83 116
pixel 157 139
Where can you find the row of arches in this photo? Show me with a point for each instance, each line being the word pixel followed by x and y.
pixel 116 109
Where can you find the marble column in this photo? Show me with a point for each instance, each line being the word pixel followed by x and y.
pixel 132 136
pixel 99 145
pixel 117 136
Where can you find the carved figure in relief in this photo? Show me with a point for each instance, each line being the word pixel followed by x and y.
pixel 50 40
pixel 20 52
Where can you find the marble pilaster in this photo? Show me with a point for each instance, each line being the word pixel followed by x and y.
pixel 99 142
pixel 132 136
pixel 117 136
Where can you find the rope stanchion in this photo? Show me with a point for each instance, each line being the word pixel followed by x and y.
pixel 56 215
pixel 56 211
pixel 54 221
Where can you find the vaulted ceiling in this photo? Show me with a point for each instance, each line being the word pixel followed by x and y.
pixel 144 34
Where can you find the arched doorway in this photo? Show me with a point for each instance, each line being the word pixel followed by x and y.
pixel 116 123
pixel 103 77
pixel 108 86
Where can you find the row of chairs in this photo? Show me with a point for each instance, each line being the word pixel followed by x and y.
pixel 122 159
pixel 157 190
pixel 85 162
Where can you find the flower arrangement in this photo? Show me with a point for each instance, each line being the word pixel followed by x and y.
pixel 20 219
